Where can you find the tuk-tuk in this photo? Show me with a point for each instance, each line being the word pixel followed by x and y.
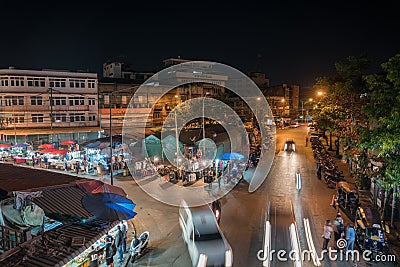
pixel 348 198
pixel 369 233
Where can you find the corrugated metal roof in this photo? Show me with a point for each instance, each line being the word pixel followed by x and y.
pixel 55 247
pixel 65 202
pixel 16 178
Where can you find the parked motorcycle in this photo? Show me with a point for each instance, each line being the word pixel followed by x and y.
pixel 138 245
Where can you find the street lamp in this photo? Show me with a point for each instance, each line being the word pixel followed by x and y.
pixel 302 107
pixel 111 138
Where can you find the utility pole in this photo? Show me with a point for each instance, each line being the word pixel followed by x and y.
pixel 51 115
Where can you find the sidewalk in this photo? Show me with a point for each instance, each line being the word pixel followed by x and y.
pixel 391 236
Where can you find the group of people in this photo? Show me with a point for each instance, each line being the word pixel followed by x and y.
pixel 114 245
pixel 339 232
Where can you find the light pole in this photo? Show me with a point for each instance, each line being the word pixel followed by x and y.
pixel 111 138
pixel 204 131
pixel 51 115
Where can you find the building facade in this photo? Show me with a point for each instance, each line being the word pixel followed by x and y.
pixel 116 94
pixel 122 70
pixel 283 100
pixel 44 106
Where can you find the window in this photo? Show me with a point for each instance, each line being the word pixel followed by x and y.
pixel 124 100
pixel 59 101
pixel 92 101
pixel 76 101
pixel 36 100
pixel 91 83
pixel 4 81
pixel 37 117
pixel 19 118
pixel 73 117
pixel 36 82
pixel 60 117
pixel 77 83
pixel 14 100
pixel 57 82
pixel 92 117
pixel 17 81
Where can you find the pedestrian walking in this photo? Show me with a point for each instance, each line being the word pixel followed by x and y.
pixel 124 230
pixel 338 227
pixel 110 252
pixel 350 238
pixel 306 141
pixel 118 243
pixel 219 179
pixel 327 234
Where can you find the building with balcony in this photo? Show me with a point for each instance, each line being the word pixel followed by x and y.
pixel 41 106
pixel 283 100
pixel 115 94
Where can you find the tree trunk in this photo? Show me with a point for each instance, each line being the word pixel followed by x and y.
pixel 330 140
pixel 393 205
pixel 384 205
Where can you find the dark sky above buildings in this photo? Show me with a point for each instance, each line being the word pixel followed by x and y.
pixel 292 42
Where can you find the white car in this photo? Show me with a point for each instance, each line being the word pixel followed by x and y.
pixel 206 243
pixel 294 125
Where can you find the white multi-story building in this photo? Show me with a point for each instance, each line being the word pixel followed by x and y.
pixel 48 105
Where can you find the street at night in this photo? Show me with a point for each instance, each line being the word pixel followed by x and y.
pixel 199 134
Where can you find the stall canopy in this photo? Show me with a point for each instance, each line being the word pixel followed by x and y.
pixel 46 146
pixel 55 151
pixel 169 146
pixel 231 155
pixel 68 142
pixel 5 145
pixel 152 145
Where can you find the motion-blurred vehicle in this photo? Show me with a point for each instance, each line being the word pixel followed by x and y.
pixel 294 125
pixel 206 243
pixel 289 145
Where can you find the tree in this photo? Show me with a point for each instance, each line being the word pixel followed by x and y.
pixel 340 108
pixel 383 117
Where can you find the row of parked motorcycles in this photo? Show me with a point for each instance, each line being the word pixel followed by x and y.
pixel 326 166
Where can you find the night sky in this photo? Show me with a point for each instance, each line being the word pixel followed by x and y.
pixel 291 42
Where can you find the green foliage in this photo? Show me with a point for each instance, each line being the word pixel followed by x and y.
pixel 383 117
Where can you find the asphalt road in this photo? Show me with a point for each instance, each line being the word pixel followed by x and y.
pixel 243 214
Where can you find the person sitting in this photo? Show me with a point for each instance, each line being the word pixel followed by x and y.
pixel 134 243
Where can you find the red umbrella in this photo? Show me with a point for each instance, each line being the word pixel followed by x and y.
pixel 68 142
pixel 59 151
pixel 46 146
pixel 49 150
pixel 55 151
pixel 5 145
pixel 95 186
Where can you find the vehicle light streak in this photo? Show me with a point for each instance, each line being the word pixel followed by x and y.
pixel 310 242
